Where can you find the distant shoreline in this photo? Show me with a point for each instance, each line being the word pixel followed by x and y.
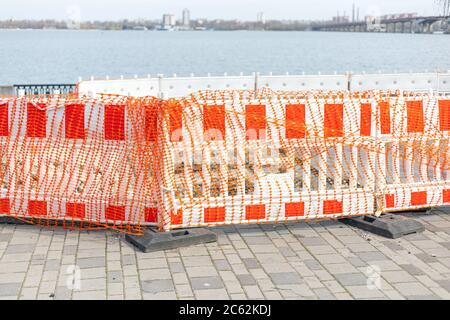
pixel 159 31
pixel 211 30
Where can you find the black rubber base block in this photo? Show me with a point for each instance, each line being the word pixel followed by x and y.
pixel 153 241
pixel 11 220
pixel 391 226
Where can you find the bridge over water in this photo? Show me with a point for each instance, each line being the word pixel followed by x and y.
pixel 415 24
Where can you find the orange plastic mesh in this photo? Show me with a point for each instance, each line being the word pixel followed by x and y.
pixel 221 157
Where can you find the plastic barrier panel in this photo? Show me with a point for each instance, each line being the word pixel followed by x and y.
pixel 73 161
pixel 414 156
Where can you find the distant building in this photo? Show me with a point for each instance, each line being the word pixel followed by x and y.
pixel 374 24
pixel 353 13
pixel 186 20
pixel 261 18
pixel 341 19
pixel 169 20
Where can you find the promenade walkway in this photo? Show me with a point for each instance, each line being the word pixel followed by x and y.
pixel 326 260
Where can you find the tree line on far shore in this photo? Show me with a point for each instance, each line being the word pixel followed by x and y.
pixel 219 25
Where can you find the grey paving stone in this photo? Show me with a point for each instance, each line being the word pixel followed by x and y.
pixel 89 295
pixel 157 286
pixel 38 257
pixel 339 268
pixel 412 269
pixel 207 283
pixel 287 252
pixel 286 278
pixel 330 223
pixel 9 289
pixel 270 258
pixel 352 279
pixel 264 248
pixel 428 297
pixel 363 292
pixel 52 265
pixel 330 258
pixel 251 263
pixel 96 262
pixel 62 293
pixel 115 276
pixel 296 291
pixel 194 272
pixel 397 276
pixel 313 265
pixel 5 237
pixel 412 289
pixel 327 249
pixel 246 279
pixel 415 237
pixel 371 256
pixel 313 241
pixel 324 294
pixel 357 262
pixel 257 240
pixel 249 231
pixel 70 250
pixel 213 294
pixel 20 248
pixel 392 245
pixel 176 267
pixel 439 252
pixel 128 260
pixel 432 228
pixel 444 284
pixel 98 284
pixel 425 257
pixel 222 265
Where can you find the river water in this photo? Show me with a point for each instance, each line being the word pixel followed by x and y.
pixel 53 56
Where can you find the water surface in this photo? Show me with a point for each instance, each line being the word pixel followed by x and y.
pixel 53 56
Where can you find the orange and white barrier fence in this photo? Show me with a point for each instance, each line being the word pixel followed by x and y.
pixel 71 160
pixel 414 157
pixel 222 157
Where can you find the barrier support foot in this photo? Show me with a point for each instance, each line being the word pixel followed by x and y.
pixel 153 240
pixel 391 226
pixel 11 220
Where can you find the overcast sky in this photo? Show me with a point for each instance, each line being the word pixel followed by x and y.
pixel 241 9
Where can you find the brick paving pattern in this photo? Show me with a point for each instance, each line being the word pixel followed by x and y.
pixel 326 260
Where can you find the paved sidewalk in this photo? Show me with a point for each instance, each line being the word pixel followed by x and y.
pixel 325 260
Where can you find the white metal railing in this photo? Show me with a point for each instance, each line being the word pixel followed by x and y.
pixel 181 86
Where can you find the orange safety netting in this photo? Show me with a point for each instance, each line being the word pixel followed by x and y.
pixel 222 157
